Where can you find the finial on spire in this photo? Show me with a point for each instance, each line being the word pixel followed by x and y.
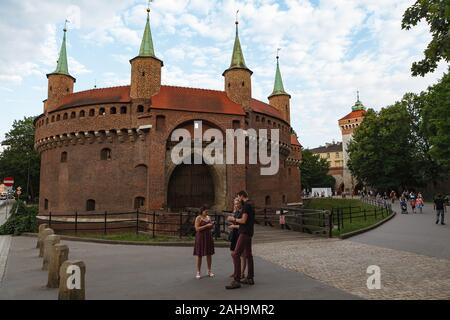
pixel 65 25
pixel 148 7
pixel 237 17
pixel 357 94
pixel 278 53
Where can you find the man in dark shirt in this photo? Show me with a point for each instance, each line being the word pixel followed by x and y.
pixel 439 206
pixel 244 242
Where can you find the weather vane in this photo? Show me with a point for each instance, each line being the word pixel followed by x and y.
pixel 237 17
pixel 357 93
pixel 278 53
pixel 65 25
pixel 148 8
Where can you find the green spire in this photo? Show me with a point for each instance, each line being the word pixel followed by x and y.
pixel 237 60
pixel 147 49
pixel 278 87
pixel 62 66
pixel 358 104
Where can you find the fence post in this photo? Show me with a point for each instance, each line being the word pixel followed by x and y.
pixel 105 221
pixel 365 215
pixel 342 217
pixel 153 224
pixel 50 219
pixel 330 225
pixel 375 213
pixel 137 221
pixel 76 222
pixel 216 226
pixel 181 222
pixel 265 216
pixel 338 220
pixel 350 214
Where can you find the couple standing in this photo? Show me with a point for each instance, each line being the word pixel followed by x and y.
pixel 243 221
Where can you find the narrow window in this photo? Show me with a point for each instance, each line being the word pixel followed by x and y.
pixel 53 118
pixel 140 109
pixel 65 116
pixel 139 202
pixel 46 204
pixel 113 110
pixel 91 112
pixel 102 112
pixel 73 115
pixel 64 157
pixel 268 202
pixel 58 118
pixel 105 154
pixel 123 110
pixel 90 205
pixel 82 114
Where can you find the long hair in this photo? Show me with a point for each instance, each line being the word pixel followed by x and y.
pixel 203 208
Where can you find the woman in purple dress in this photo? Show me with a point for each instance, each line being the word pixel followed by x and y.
pixel 204 243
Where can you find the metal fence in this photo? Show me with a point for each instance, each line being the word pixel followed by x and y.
pixel 154 223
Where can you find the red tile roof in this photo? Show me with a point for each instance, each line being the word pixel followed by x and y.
pixel 195 100
pixel 261 107
pixel 294 141
pixel 171 98
pixel 354 114
pixel 97 96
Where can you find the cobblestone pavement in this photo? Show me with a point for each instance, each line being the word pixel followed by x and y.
pixel 343 264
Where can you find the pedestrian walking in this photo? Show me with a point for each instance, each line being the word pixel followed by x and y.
pixel 244 243
pixel 412 201
pixel 440 207
pixel 404 204
pixel 204 243
pixel 420 203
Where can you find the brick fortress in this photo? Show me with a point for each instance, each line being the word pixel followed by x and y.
pixel 109 149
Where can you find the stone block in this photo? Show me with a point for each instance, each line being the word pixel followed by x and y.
pixel 72 281
pixel 49 242
pixel 58 255
pixel 45 233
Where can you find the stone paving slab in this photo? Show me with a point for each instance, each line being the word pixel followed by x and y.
pixel 343 264
pixel 133 272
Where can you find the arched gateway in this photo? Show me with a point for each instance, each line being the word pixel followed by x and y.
pixel 191 186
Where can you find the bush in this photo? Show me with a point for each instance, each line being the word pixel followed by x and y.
pixel 22 219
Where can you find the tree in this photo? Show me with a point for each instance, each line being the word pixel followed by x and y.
pixel 437 15
pixel 435 124
pixel 315 171
pixel 382 153
pixel 19 159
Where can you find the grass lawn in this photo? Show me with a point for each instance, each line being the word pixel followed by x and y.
pixel 357 212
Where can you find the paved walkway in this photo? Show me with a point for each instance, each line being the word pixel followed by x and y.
pixel 134 272
pixel 416 233
pixel 5 242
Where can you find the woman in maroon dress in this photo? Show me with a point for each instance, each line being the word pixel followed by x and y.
pixel 204 243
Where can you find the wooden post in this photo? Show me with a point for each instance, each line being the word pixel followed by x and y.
pixel 72 285
pixel 45 234
pixel 76 223
pixel 154 223
pixel 137 221
pixel 105 222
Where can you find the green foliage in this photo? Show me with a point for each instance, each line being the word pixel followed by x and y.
pixel 436 121
pixel 22 219
pixel 315 171
pixel 406 144
pixel 19 159
pixel 437 15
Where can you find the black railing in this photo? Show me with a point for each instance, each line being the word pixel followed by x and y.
pixel 154 223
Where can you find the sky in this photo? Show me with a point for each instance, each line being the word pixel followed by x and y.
pixel 329 50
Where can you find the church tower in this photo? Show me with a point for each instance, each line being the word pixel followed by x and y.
pixel 279 99
pixel 146 68
pixel 348 125
pixel 238 81
pixel 60 82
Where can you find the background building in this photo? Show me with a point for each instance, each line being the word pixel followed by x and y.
pixel 348 124
pixel 333 154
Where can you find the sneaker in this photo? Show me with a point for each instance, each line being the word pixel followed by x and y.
pixel 248 281
pixel 198 276
pixel 443 224
pixel 210 274
pixel 233 285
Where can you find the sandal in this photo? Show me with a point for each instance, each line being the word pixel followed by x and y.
pixel 210 274
pixel 198 276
